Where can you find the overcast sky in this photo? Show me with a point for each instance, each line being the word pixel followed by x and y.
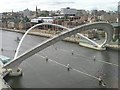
pixel 19 5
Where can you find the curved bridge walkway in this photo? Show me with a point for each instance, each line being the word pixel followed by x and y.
pixel 99 25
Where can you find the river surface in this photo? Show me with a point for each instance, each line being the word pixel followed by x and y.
pixel 37 73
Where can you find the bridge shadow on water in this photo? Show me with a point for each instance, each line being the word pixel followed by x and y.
pixel 14 82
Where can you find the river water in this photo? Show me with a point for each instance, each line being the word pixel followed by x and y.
pixel 37 73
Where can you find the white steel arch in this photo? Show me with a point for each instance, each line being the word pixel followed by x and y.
pixel 17 50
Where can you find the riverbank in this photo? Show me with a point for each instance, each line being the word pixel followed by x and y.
pixel 44 33
pixel 3 83
pixel 113 47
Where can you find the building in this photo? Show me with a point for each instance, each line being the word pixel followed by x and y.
pixel 0 23
pixel 116 29
pixel 42 19
pixel 0 19
pixel 119 6
pixel 11 25
pixel 68 11
pixel 101 12
pixel 108 17
pixel 93 18
pixel 94 12
pixel 119 11
pixel 27 13
pixel 21 25
pixel 81 12
pixel 0 16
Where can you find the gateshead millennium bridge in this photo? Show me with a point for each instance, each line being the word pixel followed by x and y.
pixel 18 60
pixel 13 65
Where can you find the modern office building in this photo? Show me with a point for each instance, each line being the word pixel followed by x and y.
pixel 68 11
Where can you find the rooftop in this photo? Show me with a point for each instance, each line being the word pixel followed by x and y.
pixel 115 24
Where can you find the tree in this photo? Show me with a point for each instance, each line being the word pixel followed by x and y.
pixel 44 14
pixel 26 19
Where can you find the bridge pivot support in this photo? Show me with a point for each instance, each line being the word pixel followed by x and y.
pixel 16 72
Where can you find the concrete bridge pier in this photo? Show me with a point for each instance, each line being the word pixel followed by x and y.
pixel 16 72
pixel 101 47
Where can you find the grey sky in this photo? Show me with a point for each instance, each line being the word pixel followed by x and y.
pixel 19 5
